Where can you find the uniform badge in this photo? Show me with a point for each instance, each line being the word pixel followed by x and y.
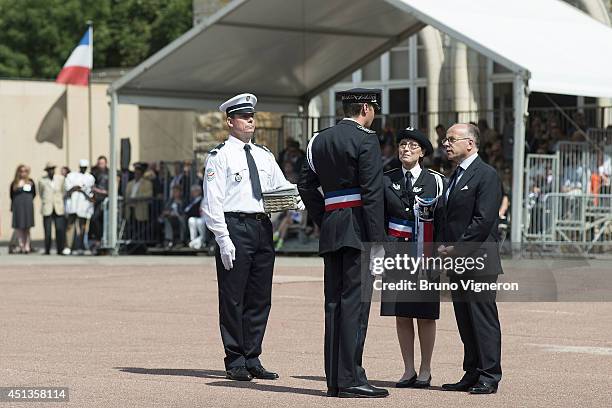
pixel 210 174
pixel 417 190
pixel 238 177
pixel 396 186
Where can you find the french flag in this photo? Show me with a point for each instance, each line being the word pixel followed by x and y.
pixel 76 70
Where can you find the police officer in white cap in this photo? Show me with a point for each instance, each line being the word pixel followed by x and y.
pixel 237 172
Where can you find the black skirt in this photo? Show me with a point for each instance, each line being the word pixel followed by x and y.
pixel 23 209
pixel 416 304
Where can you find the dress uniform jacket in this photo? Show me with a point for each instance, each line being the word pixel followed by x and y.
pixel 400 223
pixel 399 203
pixel 344 157
pixel 341 186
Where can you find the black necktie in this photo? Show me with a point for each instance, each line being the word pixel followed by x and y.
pixel 254 174
pixel 454 178
pixel 408 181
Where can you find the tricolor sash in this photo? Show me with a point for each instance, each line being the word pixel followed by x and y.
pixel 350 197
pixel 400 228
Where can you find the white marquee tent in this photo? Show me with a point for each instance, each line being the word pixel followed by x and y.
pixel 288 51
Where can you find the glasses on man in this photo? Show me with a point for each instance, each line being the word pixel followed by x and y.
pixel 453 140
pixel 409 145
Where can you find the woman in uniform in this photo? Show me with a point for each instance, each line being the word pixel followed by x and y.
pixel 411 194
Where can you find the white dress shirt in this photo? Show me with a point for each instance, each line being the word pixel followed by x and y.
pixel 227 184
pixel 464 165
pixel 415 172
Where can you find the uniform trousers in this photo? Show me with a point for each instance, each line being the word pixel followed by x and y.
pixel 347 307
pixel 245 291
pixel 480 332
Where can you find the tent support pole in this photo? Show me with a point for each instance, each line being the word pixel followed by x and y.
pixel 520 115
pixel 112 180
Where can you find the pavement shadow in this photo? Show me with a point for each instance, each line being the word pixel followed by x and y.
pixel 268 387
pixel 215 374
pixel 376 383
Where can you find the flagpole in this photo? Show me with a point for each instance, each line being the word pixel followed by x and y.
pixel 90 29
pixel 67 128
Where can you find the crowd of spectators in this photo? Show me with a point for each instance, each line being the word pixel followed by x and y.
pixel 70 202
pixel 160 206
pixel 161 201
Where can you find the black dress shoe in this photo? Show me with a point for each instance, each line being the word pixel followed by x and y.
pixel 362 391
pixel 483 388
pixel 463 385
pixel 406 383
pixel 332 392
pixel 238 374
pixel 262 373
pixel 422 384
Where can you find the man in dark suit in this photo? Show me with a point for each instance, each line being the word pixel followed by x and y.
pixel 344 162
pixel 472 202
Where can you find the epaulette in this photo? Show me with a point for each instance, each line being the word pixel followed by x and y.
pixel 365 129
pixel 263 147
pixel 392 170
pixel 437 172
pixel 321 130
pixel 216 149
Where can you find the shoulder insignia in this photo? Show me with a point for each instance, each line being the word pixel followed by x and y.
pixel 263 147
pixel 436 172
pixel 392 170
pixel 216 149
pixel 320 130
pixel 365 129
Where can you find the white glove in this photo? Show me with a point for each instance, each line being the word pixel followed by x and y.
pixel 227 251
pixel 377 253
pixel 300 204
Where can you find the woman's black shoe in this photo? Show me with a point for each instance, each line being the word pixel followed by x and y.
pixel 406 383
pixel 422 384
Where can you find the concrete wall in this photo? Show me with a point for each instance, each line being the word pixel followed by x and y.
pixel 23 106
pixel 165 135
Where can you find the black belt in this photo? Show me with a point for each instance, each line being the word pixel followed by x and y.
pixel 255 216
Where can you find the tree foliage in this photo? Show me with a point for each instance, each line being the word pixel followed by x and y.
pixel 37 36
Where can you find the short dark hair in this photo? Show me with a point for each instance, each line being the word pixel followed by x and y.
pixel 472 131
pixel 102 157
pixel 352 109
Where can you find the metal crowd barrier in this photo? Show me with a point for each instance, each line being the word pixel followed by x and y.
pixel 139 222
pixel 581 222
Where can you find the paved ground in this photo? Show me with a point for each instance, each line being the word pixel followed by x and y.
pixel 143 332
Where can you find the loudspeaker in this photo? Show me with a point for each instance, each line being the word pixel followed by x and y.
pixel 125 154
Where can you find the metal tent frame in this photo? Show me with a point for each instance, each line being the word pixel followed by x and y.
pixel 301 47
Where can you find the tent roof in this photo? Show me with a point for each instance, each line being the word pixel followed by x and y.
pixel 287 51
